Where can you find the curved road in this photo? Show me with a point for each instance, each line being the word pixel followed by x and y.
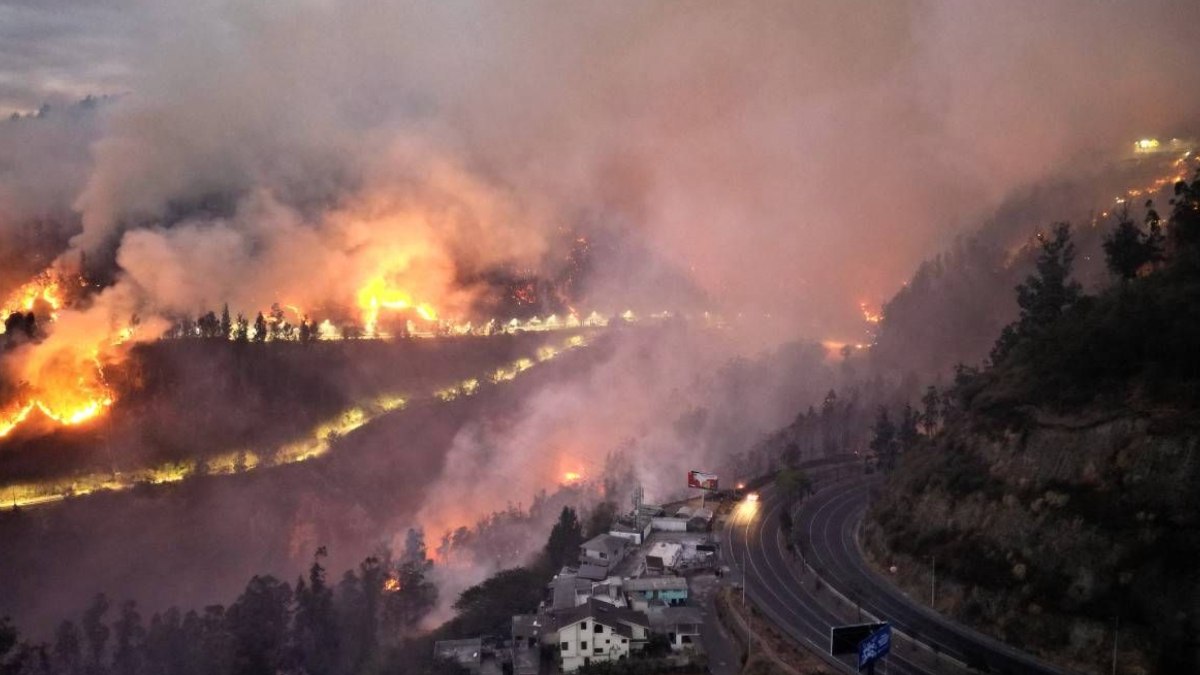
pixel 788 594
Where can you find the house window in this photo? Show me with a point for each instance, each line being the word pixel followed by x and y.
pixel 599 628
pixel 686 639
pixel 599 650
pixel 624 641
pixel 566 646
pixel 583 646
pixel 583 626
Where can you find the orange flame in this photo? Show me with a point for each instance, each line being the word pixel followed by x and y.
pixel 378 295
pixel 68 391
pixel 66 384
pixel 43 289
pixel 868 315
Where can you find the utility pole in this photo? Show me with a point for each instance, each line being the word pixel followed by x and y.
pixel 1116 635
pixel 749 637
pixel 745 577
pixel 933 584
pixel 749 618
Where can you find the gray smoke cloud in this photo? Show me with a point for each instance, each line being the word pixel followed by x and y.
pixel 795 158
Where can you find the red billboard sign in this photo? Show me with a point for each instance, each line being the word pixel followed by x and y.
pixel 701 480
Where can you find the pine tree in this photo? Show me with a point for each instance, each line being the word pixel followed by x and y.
pixel 565 538
pixel 258 622
pixel 316 636
pixel 226 324
pixel 260 328
pixel 1185 216
pixel 883 439
pixel 1044 296
pixel 96 632
pixel 907 434
pixel 411 595
pixel 241 329
pixel 1125 248
pixel 932 410
pixel 129 640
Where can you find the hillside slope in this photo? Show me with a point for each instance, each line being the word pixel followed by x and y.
pixel 1061 495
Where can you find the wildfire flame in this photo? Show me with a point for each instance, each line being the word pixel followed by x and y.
pixel 65 384
pixel 378 295
pixel 314 445
pixel 44 288
pixel 868 314
pixel 67 391
pixel 63 374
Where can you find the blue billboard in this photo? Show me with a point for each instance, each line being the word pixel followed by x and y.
pixel 875 646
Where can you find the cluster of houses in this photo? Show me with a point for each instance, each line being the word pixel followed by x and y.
pixel 629 585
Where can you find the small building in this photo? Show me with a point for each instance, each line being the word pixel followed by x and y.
pixel 671 590
pixel 633 532
pixel 528 632
pixel 568 590
pixel 467 653
pixel 526 661
pixel 664 556
pixel 668 524
pixel 610 591
pixel 647 511
pixel 701 520
pixel 590 572
pixel 681 625
pixel 529 629
pixel 596 631
pixel 603 550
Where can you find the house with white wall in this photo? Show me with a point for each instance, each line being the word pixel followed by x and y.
pixel 597 631
pixel 604 550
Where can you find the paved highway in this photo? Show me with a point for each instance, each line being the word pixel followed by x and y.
pixel 788 594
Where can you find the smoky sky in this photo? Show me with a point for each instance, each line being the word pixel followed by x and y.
pixel 793 158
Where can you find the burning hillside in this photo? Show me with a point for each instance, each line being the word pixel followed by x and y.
pixel 234 441
pixel 62 334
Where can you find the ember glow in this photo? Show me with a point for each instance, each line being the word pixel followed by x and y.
pixel 869 315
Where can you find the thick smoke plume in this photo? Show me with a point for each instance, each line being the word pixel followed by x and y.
pixel 793 158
